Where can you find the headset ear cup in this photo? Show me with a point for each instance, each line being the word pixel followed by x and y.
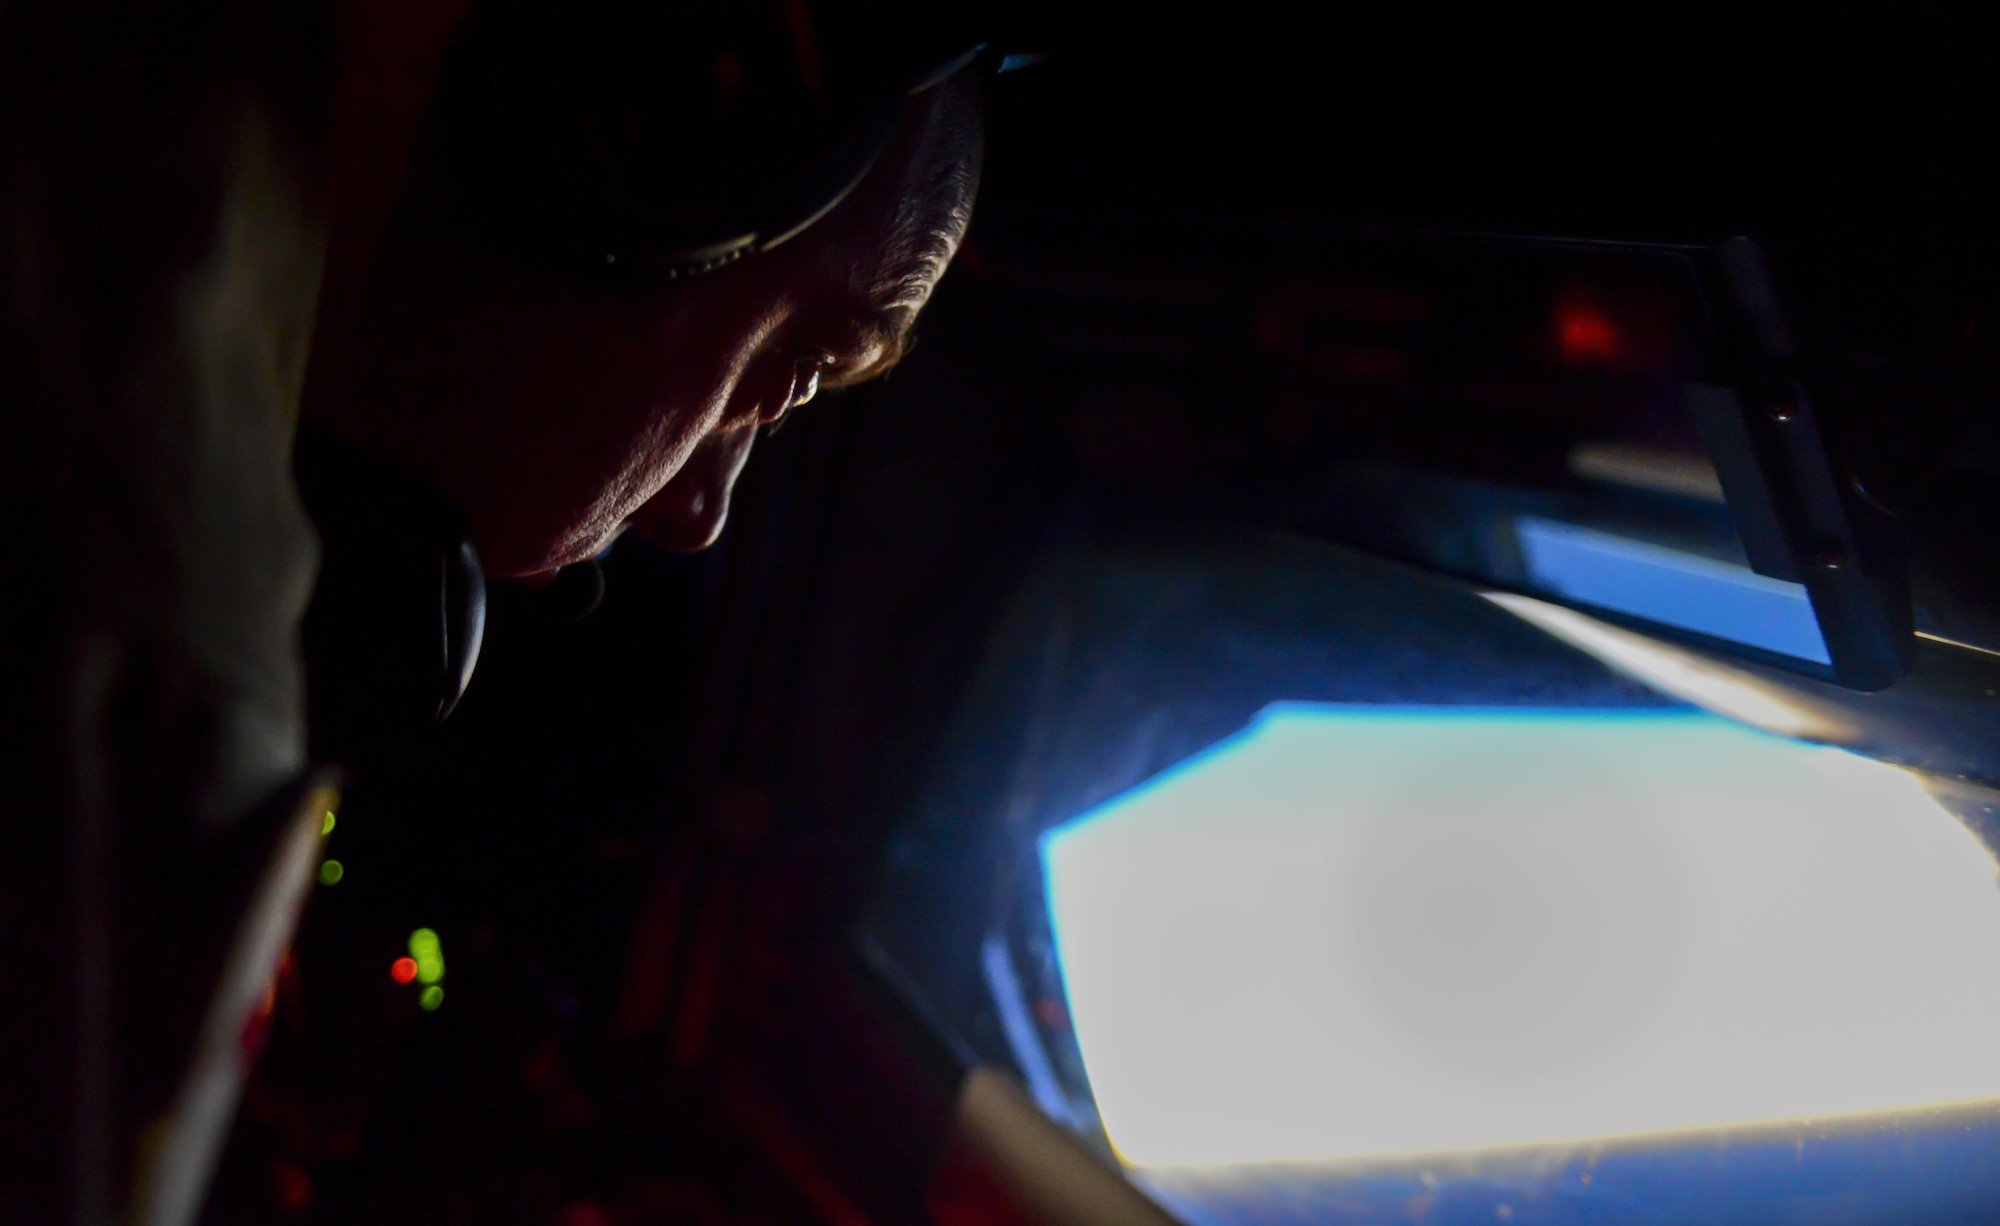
pixel 464 622
pixel 398 613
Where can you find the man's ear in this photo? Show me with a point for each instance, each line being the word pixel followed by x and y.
pixel 687 515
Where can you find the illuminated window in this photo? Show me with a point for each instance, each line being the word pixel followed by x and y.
pixel 1361 931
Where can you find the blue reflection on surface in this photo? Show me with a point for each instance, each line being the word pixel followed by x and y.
pixel 1672 587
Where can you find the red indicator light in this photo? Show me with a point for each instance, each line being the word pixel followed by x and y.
pixel 292 1186
pixel 1585 335
pixel 403 970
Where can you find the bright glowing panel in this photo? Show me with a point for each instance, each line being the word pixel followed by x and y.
pixel 1357 931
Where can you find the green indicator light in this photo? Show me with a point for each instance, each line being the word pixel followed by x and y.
pixel 429 953
pixel 331 872
pixel 326 827
pixel 433 997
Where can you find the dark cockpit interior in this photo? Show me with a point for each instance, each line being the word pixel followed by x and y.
pixel 1411 635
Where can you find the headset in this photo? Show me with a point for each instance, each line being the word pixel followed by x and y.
pixel 645 143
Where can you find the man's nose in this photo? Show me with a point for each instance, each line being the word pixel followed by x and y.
pixel 687 515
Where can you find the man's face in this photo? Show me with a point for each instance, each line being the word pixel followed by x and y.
pixel 555 411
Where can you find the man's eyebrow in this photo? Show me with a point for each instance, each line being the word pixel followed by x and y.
pixel 885 310
pixel 919 248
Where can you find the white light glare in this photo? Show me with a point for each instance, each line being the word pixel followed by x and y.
pixel 1367 931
